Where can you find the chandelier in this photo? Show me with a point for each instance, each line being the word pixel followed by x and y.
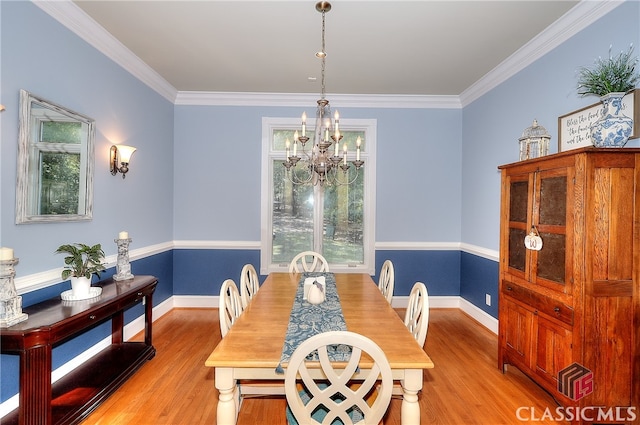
pixel 321 163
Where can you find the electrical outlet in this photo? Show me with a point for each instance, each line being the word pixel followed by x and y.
pixel 487 299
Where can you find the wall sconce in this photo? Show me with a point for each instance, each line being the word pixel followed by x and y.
pixel 1 108
pixel 124 152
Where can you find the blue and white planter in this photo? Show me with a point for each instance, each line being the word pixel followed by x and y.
pixel 613 128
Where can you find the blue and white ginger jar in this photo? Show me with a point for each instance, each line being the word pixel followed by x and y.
pixel 613 128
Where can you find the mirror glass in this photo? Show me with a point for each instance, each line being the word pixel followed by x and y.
pixel 55 163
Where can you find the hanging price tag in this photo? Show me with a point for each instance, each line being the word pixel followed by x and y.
pixel 533 241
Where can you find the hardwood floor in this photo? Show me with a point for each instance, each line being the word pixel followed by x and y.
pixel 465 387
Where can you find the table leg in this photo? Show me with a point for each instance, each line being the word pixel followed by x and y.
pixel 228 403
pixel 410 410
pixel 148 320
pixel 35 386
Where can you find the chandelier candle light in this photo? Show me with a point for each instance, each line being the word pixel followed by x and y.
pixel 123 267
pixel 318 165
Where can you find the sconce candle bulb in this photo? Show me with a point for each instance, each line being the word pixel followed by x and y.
pixel 122 154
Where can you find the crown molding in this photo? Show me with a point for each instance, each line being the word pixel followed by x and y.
pixel 75 19
pixel 304 99
pixel 576 19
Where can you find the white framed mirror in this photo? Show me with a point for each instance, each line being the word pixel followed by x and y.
pixel 55 163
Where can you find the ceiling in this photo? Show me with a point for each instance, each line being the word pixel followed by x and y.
pixel 373 47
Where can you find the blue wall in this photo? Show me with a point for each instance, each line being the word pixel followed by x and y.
pixel 45 58
pixel 418 172
pixel 437 178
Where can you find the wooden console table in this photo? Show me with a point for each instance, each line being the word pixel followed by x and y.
pixel 53 321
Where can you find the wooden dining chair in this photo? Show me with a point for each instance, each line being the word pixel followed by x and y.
pixel 229 305
pixel 336 397
pixel 416 318
pixel 386 280
pixel 308 261
pixel 249 284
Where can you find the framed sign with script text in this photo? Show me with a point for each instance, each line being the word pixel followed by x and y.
pixel 573 128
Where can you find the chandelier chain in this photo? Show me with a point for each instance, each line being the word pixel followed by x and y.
pixel 321 164
pixel 324 55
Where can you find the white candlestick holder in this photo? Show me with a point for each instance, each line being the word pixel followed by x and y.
pixel 123 267
pixel 10 302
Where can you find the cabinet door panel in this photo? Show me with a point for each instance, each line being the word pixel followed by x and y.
pixel 553 351
pixel 551 258
pixel 518 332
pixel 517 250
pixel 519 201
pixel 553 201
pixel 551 266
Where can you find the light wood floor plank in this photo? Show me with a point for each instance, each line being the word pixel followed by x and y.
pixel 465 387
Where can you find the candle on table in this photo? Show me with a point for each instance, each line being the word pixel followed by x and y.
pixel 6 254
pixel 123 235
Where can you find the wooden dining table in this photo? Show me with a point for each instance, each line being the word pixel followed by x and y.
pixel 253 346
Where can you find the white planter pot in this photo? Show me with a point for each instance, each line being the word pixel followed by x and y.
pixel 80 286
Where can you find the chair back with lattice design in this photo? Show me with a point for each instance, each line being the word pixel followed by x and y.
pixel 230 305
pixel 386 280
pixel 416 318
pixel 335 394
pixel 308 261
pixel 249 284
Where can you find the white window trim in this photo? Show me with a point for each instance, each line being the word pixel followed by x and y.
pixel 368 155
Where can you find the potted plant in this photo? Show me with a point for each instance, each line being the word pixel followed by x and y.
pixel 81 263
pixel 610 79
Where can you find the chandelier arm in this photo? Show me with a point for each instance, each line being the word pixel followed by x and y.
pixel 335 180
pixel 295 176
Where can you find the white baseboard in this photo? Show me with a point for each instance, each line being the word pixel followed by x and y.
pixel 195 301
pixel 199 301
pixel 482 317
pixel 476 313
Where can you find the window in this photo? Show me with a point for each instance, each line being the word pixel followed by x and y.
pixel 337 221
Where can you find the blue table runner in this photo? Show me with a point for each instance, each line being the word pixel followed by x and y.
pixel 307 320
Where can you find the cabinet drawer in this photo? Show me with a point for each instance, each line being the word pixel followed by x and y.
pixel 540 303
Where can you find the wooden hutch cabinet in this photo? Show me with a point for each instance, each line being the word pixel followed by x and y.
pixel 576 299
